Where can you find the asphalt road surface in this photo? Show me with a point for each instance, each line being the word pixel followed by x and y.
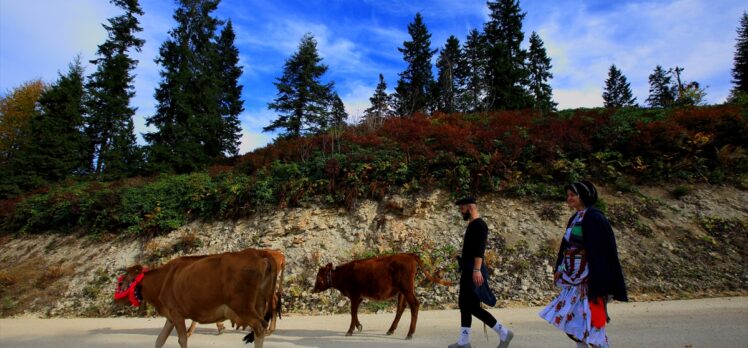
pixel 720 322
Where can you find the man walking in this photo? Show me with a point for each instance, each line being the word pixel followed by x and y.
pixel 473 250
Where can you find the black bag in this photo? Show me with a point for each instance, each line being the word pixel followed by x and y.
pixel 484 292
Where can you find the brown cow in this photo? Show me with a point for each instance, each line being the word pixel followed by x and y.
pixel 378 278
pixel 207 289
pixel 275 301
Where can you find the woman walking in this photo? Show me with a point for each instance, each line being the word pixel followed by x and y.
pixel 587 271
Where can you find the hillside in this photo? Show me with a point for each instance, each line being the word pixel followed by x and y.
pixel 674 242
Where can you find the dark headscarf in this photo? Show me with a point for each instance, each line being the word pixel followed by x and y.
pixel 585 190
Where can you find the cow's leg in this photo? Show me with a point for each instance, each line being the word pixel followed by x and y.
pixel 259 341
pixel 410 296
pixel 355 302
pixel 220 327
pixel 400 309
pixel 165 332
pixel 192 328
pixel 181 332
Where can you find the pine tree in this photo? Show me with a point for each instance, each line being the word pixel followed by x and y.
pixel 539 68
pixel 617 93
pixel 57 146
pixel 109 125
pixel 231 103
pixel 473 69
pixel 450 79
pixel 506 71
pixel 381 106
pixel 337 112
pixel 413 91
pixel 191 128
pixel 740 62
pixel 661 90
pixel 302 99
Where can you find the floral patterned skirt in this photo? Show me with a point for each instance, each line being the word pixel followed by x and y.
pixel 570 310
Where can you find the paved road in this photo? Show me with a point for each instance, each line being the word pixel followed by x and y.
pixel 721 322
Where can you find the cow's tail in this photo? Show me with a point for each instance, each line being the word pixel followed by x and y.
pixel 279 291
pixel 428 275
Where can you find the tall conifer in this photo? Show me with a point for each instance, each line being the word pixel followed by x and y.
pixel 740 61
pixel 661 89
pixel 473 69
pixel 539 68
pixel 381 105
pixel 303 100
pixel 617 93
pixel 113 149
pixel 413 91
pixel 506 71
pixel 198 105
pixel 450 77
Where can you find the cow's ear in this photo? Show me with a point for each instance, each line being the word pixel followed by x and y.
pixel 329 265
pixel 134 270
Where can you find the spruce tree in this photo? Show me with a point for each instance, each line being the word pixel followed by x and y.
pixel 473 69
pixel 109 124
pixel 191 128
pixel 539 68
pixel 381 106
pixel 413 91
pixel 302 99
pixel 661 89
pixel 57 146
pixel 338 115
pixel 740 61
pixel 506 71
pixel 450 79
pixel 229 131
pixel 617 93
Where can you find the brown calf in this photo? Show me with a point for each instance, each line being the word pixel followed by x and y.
pixel 378 278
pixel 275 301
pixel 207 289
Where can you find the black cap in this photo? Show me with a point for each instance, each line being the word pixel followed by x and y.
pixel 466 200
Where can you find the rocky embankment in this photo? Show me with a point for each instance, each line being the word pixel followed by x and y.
pixel 692 245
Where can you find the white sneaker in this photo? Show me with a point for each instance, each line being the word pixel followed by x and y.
pixel 505 342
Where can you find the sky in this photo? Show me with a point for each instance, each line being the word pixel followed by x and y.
pixel 358 40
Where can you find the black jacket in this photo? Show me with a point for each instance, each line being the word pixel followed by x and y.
pixel 605 274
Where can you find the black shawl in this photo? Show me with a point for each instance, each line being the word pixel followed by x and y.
pixel 605 274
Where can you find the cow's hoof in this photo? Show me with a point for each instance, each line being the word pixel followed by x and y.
pixel 409 337
pixel 359 327
pixel 349 333
pixel 220 331
pixel 249 338
pixel 390 332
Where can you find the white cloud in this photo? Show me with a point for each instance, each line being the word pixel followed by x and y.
pixel 637 37
pixel 253 140
pixel 356 100
pixel 578 98
pixel 59 31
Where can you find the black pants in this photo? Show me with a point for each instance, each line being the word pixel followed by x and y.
pixel 470 304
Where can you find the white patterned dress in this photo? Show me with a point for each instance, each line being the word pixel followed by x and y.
pixel 570 310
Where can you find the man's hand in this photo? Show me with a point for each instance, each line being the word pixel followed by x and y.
pixel 477 278
pixel 556 276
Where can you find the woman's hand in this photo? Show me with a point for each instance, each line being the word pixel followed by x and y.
pixel 477 278
pixel 556 276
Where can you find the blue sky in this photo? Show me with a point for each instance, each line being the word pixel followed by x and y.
pixel 358 39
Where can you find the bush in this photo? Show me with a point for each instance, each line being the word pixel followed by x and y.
pixel 511 152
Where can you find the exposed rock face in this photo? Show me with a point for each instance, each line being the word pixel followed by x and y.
pixel 693 246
